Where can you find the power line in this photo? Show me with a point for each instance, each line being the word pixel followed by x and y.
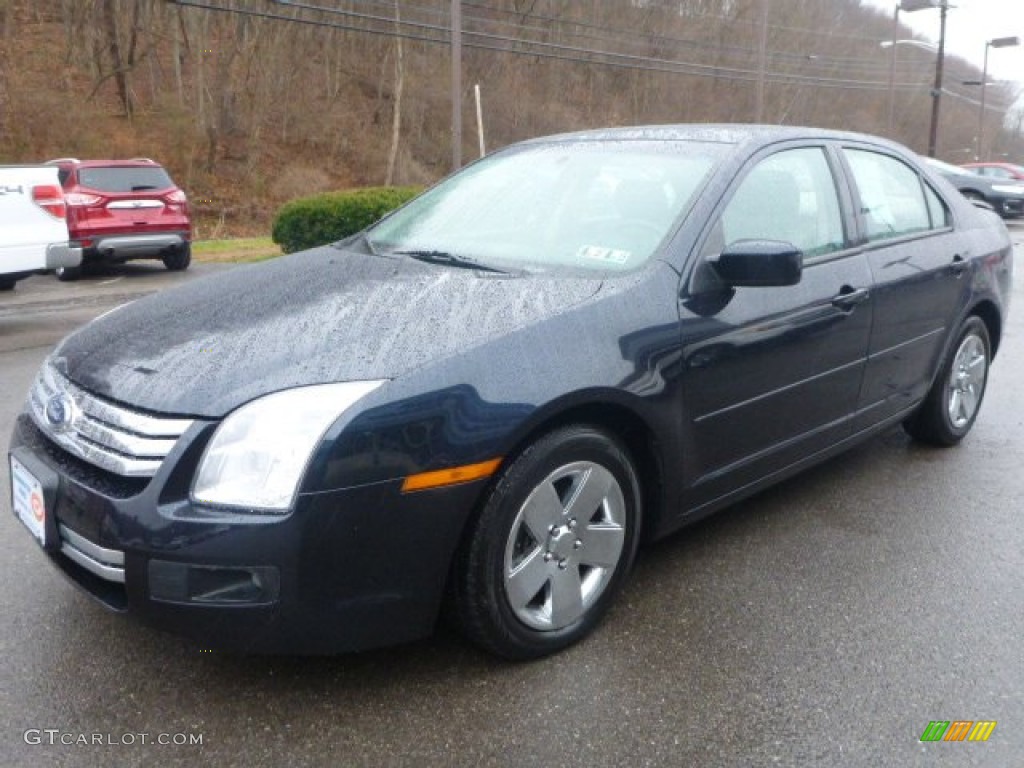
pixel 622 36
pixel 437 34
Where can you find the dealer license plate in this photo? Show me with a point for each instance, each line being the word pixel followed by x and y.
pixel 28 502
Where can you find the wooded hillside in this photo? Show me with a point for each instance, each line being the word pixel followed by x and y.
pixel 250 103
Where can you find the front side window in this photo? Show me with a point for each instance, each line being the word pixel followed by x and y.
pixel 891 193
pixel 789 197
pixel 588 205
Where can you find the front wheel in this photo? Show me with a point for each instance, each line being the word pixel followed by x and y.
pixel 7 285
pixel 552 544
pixel 951 407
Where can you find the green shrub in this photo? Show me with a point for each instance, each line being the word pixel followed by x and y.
pixel 311 221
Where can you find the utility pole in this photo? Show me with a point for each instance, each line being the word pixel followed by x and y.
pixel 892 70
pixel 762 64
pixel 456 84
pixel 933 133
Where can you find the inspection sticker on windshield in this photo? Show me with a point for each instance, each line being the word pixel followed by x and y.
pixel 27 500
pixel 600 253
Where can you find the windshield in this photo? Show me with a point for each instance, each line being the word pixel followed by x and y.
pixel 587 204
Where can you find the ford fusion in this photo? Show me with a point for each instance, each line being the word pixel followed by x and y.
pixel 489 399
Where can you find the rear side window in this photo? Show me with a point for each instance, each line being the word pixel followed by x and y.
pixel 124 179
pixel 892 196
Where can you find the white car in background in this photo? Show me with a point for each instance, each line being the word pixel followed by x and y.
pixel 33 224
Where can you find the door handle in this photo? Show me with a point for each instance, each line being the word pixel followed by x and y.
pixel 849 297
pixel 960 265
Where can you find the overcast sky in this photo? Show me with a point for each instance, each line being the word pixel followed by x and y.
pixel 969 24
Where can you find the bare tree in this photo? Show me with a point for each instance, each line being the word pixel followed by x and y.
pixel 118 63
pixel 5 91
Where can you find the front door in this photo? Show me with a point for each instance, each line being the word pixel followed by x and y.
pixel 771 375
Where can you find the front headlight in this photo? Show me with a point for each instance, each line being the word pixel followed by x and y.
pixel 258 454
pixel 1008 189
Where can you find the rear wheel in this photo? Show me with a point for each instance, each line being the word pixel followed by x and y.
pixel 178 259
pixel 952 405
pixel 551 546
pixel 7 285
pixel 67 274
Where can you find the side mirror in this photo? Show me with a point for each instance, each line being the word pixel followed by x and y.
pixel 758 263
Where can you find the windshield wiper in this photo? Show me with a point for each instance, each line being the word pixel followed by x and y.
pixel 448 259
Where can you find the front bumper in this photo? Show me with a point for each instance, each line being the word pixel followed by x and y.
pixel 344 570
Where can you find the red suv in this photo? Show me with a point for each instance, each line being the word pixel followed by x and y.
pixel 124 209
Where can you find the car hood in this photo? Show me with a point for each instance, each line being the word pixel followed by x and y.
pixel 320 316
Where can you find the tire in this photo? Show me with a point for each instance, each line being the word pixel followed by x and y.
pixel 178 259
pixel 7 285
pixel 948 412
pixel 537 571
pixel 68 274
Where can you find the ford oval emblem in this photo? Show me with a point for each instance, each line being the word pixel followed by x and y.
pixel 59 411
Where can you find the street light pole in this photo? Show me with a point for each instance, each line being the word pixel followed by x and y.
pixel 892 64
pixel 999 42
pixel 910 6
pixel 981 109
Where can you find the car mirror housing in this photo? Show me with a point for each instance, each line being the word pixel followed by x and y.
pixel 759 263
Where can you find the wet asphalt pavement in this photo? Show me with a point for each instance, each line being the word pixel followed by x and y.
pixel 822 623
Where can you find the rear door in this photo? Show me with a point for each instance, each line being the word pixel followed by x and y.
pixel 919 264
pixel 771 375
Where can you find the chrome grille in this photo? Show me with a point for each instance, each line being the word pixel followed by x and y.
pixel 109 436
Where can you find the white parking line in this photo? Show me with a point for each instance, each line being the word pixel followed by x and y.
pixel 108 282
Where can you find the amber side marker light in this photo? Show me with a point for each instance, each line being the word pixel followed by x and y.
pixel 452 476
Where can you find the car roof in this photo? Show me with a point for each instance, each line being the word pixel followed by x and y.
pixel 724 133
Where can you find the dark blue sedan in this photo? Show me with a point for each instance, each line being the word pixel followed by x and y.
pixel 489 399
